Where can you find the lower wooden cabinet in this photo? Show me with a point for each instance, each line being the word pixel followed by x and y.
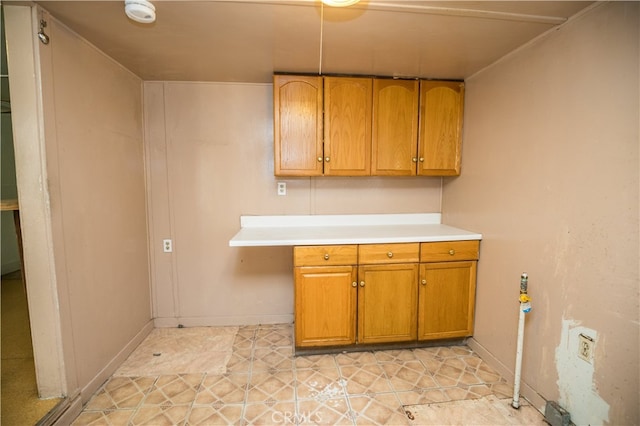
pixel 447 294
pixel 325 306
pixel 446 300
pixel 384 293
pixel 387 308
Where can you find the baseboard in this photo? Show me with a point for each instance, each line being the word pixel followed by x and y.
pixel 222 321
pixel 534 398
pixel 91 387
pixel 71 410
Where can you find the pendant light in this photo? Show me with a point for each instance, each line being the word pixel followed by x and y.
pixel 340 3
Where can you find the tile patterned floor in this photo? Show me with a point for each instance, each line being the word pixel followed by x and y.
pixel 266 385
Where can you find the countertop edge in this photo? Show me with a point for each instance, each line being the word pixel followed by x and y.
pixel 321 242
pixel 370 232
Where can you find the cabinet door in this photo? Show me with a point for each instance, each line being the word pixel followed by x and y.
pixel 387 303
pixel 446 299
pixel 297 126
pixel 325 305
pixel 347 126
pixel 395 127
pixel 441 109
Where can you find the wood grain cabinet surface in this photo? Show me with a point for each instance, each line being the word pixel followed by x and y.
pixel 347 126
pixel 362 126
pixel 440 139
pixel 383 293
pixel 446 296
pixel 297 125
pixel 395 127
pixel 387 292
pixel 325 295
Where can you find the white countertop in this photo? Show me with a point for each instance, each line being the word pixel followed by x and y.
pixel 345 229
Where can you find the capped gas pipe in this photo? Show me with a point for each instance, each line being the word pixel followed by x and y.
pixel 525 308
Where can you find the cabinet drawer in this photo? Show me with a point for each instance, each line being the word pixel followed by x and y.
pixel 388 253
pixel 449 251
pixel 325 255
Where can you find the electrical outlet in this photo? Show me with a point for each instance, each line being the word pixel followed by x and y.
pixel 282 188
pixel 585 347
pixel 167 246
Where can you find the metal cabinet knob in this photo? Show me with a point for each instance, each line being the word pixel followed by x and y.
pixel 452 252
pixel 319 159
pixel 423 282
pixel 326 256
pixel 327 159
pixel 390 254
pixel 361 283
pixel 414 159
pixel 422 159
pixel 354 284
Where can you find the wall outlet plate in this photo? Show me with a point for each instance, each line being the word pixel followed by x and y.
pixel 585 347
pixel 282 188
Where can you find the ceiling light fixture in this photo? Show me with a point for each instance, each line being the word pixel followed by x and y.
pixel 140 11
pixel 340 3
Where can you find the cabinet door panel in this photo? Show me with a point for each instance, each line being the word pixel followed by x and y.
pixel 441 109
pixel 347 121
pixel 325 306
pixel 446 300
pixel 387 303
pixel 297 110
pixel 395 127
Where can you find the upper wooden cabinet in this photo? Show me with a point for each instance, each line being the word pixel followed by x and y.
pixel 395 127
pixel 347 126
pixel 441 109
pixel 370 126
pixel 297 125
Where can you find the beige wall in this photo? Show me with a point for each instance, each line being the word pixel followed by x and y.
pixel 550 177
pixel 95 161
pixel 210 157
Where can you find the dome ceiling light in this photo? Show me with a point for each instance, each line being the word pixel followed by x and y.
pixel 140 11
pixel 340 3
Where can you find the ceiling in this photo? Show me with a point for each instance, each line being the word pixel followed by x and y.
pixel 247 41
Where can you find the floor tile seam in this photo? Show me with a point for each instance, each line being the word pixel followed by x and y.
pixel 400 406
pixel 349 412
pixel 388 377
pixel 261 370
pixel 343 384
pixel 386 380
pixel 103 390
pixel 249 376
pixel 151 389
pixel 370 394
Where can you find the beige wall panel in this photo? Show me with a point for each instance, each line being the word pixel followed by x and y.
pixel 161 265
pixel 96 164
pixel 550 178
pixel 364 195
pixel 218 165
